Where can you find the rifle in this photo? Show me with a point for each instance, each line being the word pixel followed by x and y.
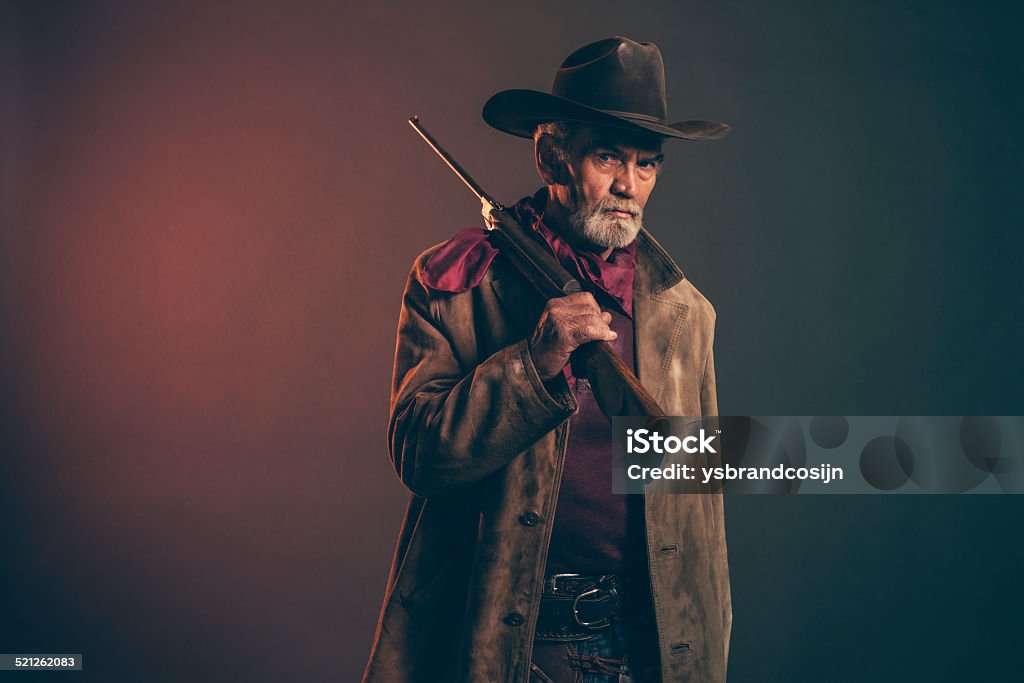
pixel 616 388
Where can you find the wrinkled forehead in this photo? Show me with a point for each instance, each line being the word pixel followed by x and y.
pixel 589 137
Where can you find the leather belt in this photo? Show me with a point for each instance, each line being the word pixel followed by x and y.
pixel 578 607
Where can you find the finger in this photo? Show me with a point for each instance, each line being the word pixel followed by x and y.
pixel 579 299
pixel 589 318
pixel 598 333
pixel 592 331
pixel 566 301
pixel 576 310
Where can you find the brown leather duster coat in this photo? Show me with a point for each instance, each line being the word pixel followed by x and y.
pixel 479 441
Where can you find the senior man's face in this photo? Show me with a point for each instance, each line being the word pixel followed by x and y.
pixel 612 176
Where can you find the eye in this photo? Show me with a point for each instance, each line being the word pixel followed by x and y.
pixel 605 156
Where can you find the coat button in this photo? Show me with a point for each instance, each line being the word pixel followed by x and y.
pixel 529 518
pixel 514 619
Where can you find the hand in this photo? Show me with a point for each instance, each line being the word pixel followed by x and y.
pixel 566 323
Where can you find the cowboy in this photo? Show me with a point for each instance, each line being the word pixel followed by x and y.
pixel 516 562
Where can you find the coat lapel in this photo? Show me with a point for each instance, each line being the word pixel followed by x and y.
pixel 660 317
pixel 521 303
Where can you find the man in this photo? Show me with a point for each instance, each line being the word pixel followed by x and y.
pixel 515 561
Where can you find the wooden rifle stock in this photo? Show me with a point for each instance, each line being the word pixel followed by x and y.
pixel 616 388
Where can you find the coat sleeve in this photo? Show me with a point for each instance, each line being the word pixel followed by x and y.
pixel 448 428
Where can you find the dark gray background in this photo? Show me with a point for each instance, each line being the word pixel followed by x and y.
pixel 208 213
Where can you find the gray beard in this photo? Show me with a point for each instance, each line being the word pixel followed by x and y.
pixel 596 226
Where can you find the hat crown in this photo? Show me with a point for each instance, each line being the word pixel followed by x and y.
pixel 615 74
pixel 614 83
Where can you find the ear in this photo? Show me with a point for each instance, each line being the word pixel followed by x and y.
pixel 551 163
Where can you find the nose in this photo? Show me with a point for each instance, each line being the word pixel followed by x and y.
pixel 625 181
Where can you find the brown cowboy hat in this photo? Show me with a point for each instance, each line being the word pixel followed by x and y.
pixel 614 82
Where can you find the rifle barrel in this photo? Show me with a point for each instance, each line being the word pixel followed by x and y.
pixel 414 121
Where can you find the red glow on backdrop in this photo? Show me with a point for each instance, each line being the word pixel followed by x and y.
pixel 196 270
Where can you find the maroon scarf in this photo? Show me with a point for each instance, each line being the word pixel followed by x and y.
pixel 460 263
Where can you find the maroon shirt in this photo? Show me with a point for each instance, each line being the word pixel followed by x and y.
pixel 595 531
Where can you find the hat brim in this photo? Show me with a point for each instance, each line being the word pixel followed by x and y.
pixel 518 112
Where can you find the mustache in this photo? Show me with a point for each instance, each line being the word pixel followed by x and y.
pixel 618 205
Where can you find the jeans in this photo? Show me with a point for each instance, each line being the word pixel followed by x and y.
pixel 626 652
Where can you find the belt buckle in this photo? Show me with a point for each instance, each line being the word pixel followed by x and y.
pixel 604 584
pixel 552 580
